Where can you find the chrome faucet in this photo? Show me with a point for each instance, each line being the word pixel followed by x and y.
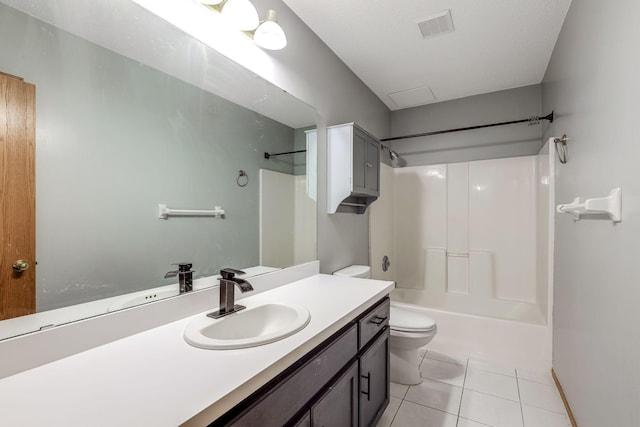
pixel 228 282
pixel 185 276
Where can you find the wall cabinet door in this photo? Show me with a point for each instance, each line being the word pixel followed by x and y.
pixel 360 160
pixel 338 407
pixel 366 163
pixel 372 167
pixel 374 381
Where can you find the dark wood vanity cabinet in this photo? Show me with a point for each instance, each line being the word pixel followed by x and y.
pixel 342 382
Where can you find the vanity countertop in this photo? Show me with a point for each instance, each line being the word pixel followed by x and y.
pixel 156 378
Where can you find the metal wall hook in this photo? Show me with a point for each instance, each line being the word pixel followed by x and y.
pixel 241 174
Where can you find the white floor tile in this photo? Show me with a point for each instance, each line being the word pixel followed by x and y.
pixel 390 412
pixel 494 367
pixel 536 417
pixel 398 390
pixel 458 359
pixel 490 410
pixel 412 415
pixel 436 395
pixel 463 422
pixel 495 384
pixel 446 372
pixel 542 377
pixel 541 395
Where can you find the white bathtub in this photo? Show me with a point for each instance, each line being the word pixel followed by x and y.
pixel 519 344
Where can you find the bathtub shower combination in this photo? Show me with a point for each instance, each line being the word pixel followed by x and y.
pixel 469 245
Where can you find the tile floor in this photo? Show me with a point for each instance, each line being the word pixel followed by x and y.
pixel 464 392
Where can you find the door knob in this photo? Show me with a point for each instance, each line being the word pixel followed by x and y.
pixel 20 265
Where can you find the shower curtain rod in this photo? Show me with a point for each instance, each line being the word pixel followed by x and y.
pixel 268 156
pixel 531 120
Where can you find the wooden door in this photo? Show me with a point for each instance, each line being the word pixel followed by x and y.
pixel 17 196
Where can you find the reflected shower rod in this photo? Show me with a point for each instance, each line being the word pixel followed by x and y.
pixel 268 156
pixel 531 120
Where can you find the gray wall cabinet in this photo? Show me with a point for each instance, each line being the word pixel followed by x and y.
pixel 342 382
pixel 353 169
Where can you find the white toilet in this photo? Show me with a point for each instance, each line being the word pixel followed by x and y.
pixel 410 330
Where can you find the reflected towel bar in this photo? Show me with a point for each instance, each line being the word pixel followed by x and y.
pixel 164 212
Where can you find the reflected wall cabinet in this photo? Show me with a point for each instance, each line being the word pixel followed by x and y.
pixel 353 169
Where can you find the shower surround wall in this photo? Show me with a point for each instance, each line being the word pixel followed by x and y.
pixel 470 243
pixel 287 220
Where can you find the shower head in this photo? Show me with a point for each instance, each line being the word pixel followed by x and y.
pixel 393 155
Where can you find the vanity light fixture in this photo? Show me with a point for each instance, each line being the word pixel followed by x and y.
pixel 243 15
pixel 270 35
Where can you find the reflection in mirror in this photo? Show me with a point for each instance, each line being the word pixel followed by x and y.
pixel 114 138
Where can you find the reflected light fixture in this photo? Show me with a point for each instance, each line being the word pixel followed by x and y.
pixel 242 14
pixel 270 35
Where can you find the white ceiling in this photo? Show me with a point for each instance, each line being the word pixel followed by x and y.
pixel 496 44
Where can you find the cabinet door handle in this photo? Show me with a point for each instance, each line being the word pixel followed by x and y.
pixel 378 320
pixel 368 392
pixel 369 165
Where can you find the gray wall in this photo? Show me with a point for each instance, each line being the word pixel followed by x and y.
pixel 114 139
pixel 489 143
pixel 308 69
pixel 593 82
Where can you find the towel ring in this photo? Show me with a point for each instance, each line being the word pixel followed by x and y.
pixel 241 174
pixel 561 148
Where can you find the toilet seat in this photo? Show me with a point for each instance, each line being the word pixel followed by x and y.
pixel 407 321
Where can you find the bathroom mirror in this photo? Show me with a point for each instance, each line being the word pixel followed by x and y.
pixel 132 113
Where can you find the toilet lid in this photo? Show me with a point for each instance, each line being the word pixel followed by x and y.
pixel 405 320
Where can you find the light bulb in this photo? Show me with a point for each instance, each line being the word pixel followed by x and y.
pixel 270 35
pixel 241 14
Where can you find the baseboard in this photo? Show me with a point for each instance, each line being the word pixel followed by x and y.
pixel 564 399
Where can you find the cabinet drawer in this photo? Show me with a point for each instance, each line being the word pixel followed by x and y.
pixel 292 394
pixel 372 323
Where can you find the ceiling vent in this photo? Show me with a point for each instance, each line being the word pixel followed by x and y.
pixel 437 24
pixel 412 97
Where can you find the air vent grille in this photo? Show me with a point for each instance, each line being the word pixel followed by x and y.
pixel 436 24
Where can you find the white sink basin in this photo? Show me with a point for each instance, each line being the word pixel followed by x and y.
pixel 253 326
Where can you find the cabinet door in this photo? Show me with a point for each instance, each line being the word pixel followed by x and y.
pixel 305 421
pixel 372 167
pixel 359 161
pixel 338 407
pixel 374 380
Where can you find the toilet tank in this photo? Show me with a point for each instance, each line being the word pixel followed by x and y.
pixel 361 271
